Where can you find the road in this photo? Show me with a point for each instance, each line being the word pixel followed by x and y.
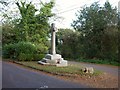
pixel 18 77
pixel 105 68
pixel 0 74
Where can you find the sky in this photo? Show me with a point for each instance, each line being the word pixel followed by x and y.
pixel 67 9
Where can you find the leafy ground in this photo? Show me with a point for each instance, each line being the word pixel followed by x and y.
pixel 73 73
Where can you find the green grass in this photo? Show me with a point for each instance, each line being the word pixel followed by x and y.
pixel 96 61
pixel 100 62
pixel 69 70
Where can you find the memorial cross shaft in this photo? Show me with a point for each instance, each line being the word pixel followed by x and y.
pixel 53 37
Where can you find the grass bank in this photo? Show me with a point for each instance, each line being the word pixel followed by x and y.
pixel 70 70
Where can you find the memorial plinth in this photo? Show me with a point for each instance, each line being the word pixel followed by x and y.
pixel 53 58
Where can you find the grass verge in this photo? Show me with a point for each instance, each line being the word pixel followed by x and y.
pixel 96 61
pixel 70 70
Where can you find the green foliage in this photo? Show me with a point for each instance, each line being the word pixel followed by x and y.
pixel 30 57
pixel 68 43
pixel 98 61
pixel 98 31
pixel 30 27
pixel 22 51
pixel 8 51
pixel 34 26
pixel 25 47
pixel 22 57
pixel 8 34
pixel 95 38
pixel 13 50
pixel 26 37
pixel 41 48
pixel 39 56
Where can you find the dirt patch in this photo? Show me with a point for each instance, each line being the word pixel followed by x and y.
pixel 102 81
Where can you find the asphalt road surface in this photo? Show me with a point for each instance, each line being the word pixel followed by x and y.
pixel 14 76
pixel 0 74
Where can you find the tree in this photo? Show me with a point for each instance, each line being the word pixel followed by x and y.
pixel 68 44
pixel 31 26
pixel 30 29
pixel 119 34
pixel 8 34
pixel 92 22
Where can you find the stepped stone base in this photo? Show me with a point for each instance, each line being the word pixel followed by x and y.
pixel 55 59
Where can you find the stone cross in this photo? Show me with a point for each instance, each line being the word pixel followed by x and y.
pixel 53 37
pixel 53 58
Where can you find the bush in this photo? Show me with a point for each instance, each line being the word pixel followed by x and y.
pixel 41 48
pixel 22 57
pixel 8 51
pixel 25 57
pixel 38 56
pixel 25 47
pixel 30 57
pixel 23 51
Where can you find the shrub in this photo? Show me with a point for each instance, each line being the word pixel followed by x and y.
pixel 14 50
pixel 8 51
pixel 22 57
pixel 25 57
pixel 23 51
pixel 41 48
pixel 38 56
pixel 25 47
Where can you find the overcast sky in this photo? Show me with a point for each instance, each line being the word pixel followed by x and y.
pixel 67 9
pixel 70 7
